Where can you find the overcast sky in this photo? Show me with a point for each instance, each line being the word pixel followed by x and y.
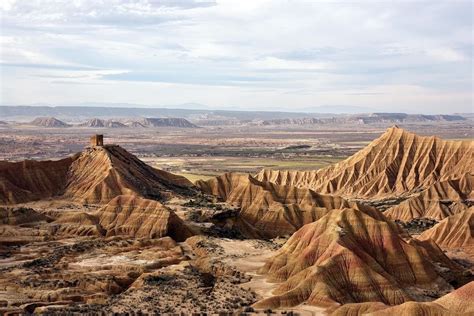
pixel 397 56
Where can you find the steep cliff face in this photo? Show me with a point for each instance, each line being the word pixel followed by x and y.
pixel 268 209
pixel 351 256
pixel 96 175
pixel 396 164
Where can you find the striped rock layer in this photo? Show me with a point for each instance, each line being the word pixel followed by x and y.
pixel 396 164
pixel 440 200
pixel 270 210
pixel 458 302
pixel 454 232
pixel 125 215
pixel 352 256
pixel 96 175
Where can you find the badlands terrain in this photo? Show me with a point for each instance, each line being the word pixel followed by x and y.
pixel 308 218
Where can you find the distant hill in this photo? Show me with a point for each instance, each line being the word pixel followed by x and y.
pixel 208 117
pixel 48 122
pixel 95 122
pixel 162 122
pixel 74 112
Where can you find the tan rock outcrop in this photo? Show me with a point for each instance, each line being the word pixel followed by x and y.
pixel 77 224
pixel 101 173
pixel 32 180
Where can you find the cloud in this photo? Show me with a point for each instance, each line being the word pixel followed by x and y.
pixel 445 54
pixel 188 78
pixel 46 66
pixel 251 51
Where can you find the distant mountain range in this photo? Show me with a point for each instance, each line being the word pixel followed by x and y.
pixel 203 115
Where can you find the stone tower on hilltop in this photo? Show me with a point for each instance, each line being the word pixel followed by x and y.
pixel 97 140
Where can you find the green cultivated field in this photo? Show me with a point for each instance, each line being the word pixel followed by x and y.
pixel 199 168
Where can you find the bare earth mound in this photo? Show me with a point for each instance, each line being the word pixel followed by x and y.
pixel 127 216
pixel 48 122
pixel 270 210
pixel 351 256
pixel 454 232
pixel 98 123
pixel 141 218
pixel 102 173
pixel 96 175
pixel 458 302
pixel 395 164
pixel 440 200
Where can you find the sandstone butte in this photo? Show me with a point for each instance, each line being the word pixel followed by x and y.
pixel 454 232
pixel 456 303
pixel 353 256
pixel 97 175
pixel 269 210
pixel 398 163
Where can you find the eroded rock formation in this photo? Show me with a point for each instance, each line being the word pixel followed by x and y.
pixel 440 200
pixel 351 256
pixel 454 232
pixel 458 302
pixel 398 163
pixel 96 175
pixel 270 210
pixel 141 218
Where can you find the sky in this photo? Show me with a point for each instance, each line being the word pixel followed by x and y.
pixel 392 56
